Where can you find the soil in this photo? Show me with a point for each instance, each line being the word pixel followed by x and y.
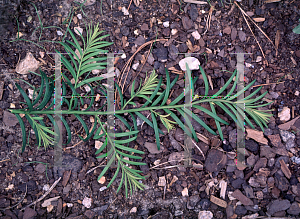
pixel 264 188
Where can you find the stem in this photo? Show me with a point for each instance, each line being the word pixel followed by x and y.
pixel 120 111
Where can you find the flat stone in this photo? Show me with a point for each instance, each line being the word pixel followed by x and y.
pixel 176 157
pixel 248 191
pixel 240 210
pixel 290 144
pixel 29 213
pixel 173 51
pixel 242 36
pixel 9 119
pixel 237 183
pixel 187 23
pixel 69 162
pixel 278 205
pixel 40 168
pixel 144 27
pixel 193 12
pixel 266 151
pixel 100 210
pixel 205 215
pixel 215 160
pixel 275 192
pixel 140 41
pixel 90 214
pixel 242 198
pixel 294 209
pixel 251 145
pixel 285 135
pixel 233 34
pixel 161 54
pixel 227 30
pixel 281 182
pixel 152 148
pixel 285 114
pixel 262 162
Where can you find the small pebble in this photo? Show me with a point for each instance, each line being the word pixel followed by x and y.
pixel 166 24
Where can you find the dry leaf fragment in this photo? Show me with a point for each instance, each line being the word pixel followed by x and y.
pixel 27 64
pixel 285 169
pixel 287 126
pixel 257 136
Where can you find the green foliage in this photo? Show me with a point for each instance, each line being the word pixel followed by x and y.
pixel 297 29
pixel 155 93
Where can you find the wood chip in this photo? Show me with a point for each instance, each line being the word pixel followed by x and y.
pixel 271 1
pixel 257 136
pixel 259 19
pixel 66 177
pixel 277 40
pixel 223 186
pixel 195 2
pixel 1 89
pixel 218 201
pixel 285 169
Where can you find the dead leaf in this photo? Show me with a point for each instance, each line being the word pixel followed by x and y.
pixel 259 19
pixel 257 136
pixel 287 126
pixel 27 64
pixel 190 45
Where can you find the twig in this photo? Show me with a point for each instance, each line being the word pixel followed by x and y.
pixel 254 36
pixel 195 2
pixel 100 165
pixel 4 160
pixel 43 196
pixel 129 5
pixel 3 209
pixel 267 84
pixel 243 12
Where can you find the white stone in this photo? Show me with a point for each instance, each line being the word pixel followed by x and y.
pixel 192 62
pixel 59 33
pixel 135 66
pixel 133 210
pixel 87 202
pixel 46 187
pixel 285 114
pixel 102 180
pixel 98 144
pixel 125 11
pixel 102 188
pixel 258 59
pixel 205 215
pixel 174 31
pixel 185 192
pixel 78 30
pixel 296 93
pixel 69 205
pixel 166 24
pixel 196 35
pixel 79 16
pixel 87 88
